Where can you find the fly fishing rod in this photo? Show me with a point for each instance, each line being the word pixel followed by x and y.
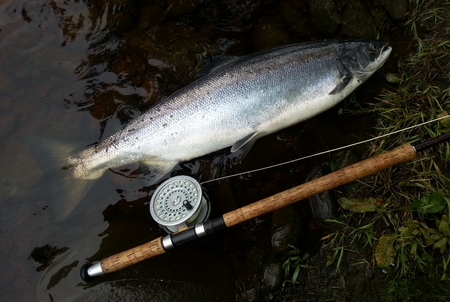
pixel 176 206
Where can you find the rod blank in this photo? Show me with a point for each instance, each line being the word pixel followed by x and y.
pixel 330 181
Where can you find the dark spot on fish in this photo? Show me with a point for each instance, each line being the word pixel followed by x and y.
pixel 164 125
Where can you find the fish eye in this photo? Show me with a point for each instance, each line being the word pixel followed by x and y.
pixel 373 46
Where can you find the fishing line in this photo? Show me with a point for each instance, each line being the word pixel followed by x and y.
pixel 324 152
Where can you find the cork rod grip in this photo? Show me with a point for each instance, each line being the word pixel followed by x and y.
pixel 341 177
pixel 132 256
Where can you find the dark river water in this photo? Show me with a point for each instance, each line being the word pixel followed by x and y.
pixel 74 72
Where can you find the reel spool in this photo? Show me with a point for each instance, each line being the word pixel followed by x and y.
pixel 178 203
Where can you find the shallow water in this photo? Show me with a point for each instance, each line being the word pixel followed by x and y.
pixel 75 72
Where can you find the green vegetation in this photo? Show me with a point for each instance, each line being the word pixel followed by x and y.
pixel 397 221
pixel 293 264
pixel 403 213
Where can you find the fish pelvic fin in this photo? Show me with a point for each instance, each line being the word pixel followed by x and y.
pixel 246 142
pixel 60 188
pixel 155 169
pixel 244 145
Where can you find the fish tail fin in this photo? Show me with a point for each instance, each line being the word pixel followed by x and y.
pixel 60 188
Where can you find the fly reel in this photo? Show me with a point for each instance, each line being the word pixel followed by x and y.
pixel 178 203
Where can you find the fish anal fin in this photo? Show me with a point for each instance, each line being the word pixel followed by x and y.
pixel 344 82
pixel 155 169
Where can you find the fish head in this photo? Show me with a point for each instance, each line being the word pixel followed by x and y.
pixel 363 58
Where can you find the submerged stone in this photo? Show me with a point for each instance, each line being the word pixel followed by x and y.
pixel 151 15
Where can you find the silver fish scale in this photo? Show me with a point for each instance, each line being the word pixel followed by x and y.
pixel 254 95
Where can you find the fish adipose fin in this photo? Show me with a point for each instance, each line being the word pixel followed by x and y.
pixel 61 189
pixel 155 169
pixel 344 82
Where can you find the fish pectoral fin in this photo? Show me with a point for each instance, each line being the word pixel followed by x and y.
pixel 344 82
pixel 247 141
pixel 155 169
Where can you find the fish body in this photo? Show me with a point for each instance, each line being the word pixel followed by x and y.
pixel 237 103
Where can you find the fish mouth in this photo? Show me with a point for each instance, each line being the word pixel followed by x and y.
pixel 384 53
pixel 386 48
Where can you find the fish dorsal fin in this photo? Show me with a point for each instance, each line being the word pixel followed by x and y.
pixel 247 141
pixel 213 64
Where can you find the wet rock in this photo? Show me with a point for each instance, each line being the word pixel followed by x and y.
pixel 323 206
pixel 8 122
pixel 273 276
pixel 397 9
pixel 349 157
pixel 286 228
pixel 326 15
pixel 150 16
pixel 269 33
pixel 126 65
pixel 379 16
pixel 298 22
pixel 357 21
